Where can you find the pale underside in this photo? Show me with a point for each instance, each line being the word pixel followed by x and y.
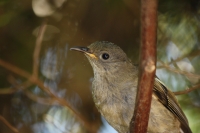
pixel 119 116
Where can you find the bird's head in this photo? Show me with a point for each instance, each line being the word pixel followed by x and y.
pixel 104 56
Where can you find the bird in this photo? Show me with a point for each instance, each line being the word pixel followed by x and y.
pixel 114 90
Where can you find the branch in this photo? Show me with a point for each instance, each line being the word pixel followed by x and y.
pixel 35 63
pixel 194 53
pixel 188 74
pixel 8 124
pixel 22 86
pixel 188 90
pixel 33 78
pixel 41 100
pixel 38 82
pixel 147 67
pixel 7 90
pixel 15 69
pixel 36 53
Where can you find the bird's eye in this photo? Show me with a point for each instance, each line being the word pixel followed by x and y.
pixel 105 56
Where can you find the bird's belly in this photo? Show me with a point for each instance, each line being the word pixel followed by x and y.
pixel 115 117
pixel 116 113
pixel 161 120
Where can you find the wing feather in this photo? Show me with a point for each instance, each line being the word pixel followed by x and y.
pixel 167 98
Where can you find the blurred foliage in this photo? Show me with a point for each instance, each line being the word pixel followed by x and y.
pixel 75 22
pixel 178 36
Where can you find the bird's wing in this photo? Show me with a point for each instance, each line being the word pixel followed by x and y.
pixel 167 98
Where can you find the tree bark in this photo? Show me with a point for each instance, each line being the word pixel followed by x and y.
pixel 147 66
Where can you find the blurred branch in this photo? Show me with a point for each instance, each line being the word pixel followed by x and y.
pixel 11 90
pixel 188 90
pixel 188 74
pixel 38 82
pixel 8 124
pixel 41 100
pixel 15 69
pixel 35 64
pixel 147 66
pixel 33 79
pixel 7 91
pixel 36 53
pixel 194 53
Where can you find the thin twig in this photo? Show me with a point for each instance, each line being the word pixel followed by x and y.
pixel 33 78
pixel 16 87
pixel 36 53
pixel 35 62
pixel 41 100
pixel 188 90
pixel 14 69
pixel 36 81
pixel 4 91
pixel 196 53
pixel 176 60
pixel 188 74
pixel 8 124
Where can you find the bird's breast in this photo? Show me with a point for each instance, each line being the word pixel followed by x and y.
pixel 114 102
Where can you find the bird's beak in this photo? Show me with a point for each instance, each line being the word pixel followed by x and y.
pixel 85 50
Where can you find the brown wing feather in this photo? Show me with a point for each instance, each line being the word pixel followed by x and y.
pixel 168 99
